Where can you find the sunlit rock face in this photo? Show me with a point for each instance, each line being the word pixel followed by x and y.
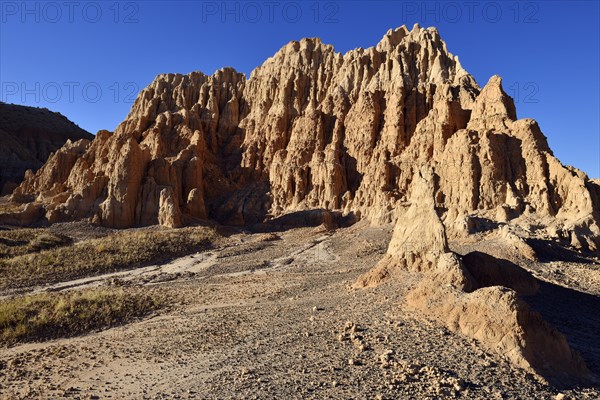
pixel 312 128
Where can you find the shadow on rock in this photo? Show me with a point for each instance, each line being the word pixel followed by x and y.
pixel 491 271
pixel 307 219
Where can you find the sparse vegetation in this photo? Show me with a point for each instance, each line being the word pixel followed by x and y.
pixel 9 207
pixel 124 250
pixel 46 316
pixel 17 242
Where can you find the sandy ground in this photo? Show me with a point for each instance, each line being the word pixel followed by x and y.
pixel 272 316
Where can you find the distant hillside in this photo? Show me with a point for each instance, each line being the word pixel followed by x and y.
pixel 27 137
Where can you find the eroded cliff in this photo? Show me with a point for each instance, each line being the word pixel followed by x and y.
pixel 312 128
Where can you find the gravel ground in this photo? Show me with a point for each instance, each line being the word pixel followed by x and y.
pixel 272 316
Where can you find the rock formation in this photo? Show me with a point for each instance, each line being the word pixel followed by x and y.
pixel 419 237
pixel 28 136
pixel 504 324
pixel 477 296
pixel 312 128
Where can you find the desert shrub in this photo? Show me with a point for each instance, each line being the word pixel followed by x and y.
pixel 16 242
pixel 124 250
pixel 46 316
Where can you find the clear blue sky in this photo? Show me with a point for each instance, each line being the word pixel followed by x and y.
pixel 58 55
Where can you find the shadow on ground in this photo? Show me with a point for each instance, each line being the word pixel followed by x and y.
pixel 575 314
pixel 547 250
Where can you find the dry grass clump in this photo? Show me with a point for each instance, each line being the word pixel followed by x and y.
pixel 47 316
pixel 124 250
pixel 9 207
pixel 16 242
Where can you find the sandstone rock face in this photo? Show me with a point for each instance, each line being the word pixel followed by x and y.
pixel 169 213
pixel 152 169
pixel 316 129
pixel 327 129
pixel 28 136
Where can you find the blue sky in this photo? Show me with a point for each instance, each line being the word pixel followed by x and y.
pixel 88 59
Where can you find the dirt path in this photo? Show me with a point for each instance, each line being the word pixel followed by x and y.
pixel 197 264
pixel 270 317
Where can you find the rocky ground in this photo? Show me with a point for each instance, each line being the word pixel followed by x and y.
pixel 272 315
